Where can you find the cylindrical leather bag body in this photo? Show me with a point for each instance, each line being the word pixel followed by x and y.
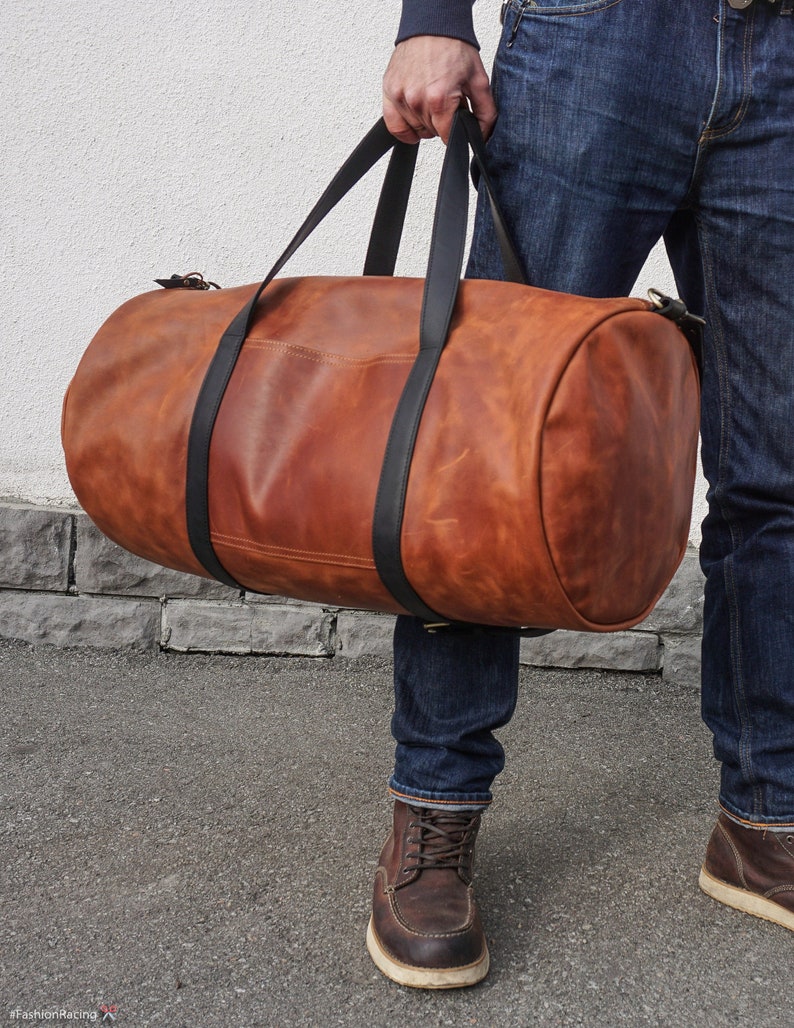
pixel 537 473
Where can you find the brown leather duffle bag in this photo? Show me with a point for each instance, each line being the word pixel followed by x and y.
pixel 473 452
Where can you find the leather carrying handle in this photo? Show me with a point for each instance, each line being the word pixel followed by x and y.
pixel 440 292
pixel 390 216
pixel 387 228
pixel 369 151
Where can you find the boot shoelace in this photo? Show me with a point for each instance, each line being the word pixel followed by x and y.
pixel 441 839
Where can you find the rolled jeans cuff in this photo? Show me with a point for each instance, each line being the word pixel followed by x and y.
pixel 776 824
pixel 442 801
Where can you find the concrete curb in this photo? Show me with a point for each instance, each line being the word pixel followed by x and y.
pixel 63 583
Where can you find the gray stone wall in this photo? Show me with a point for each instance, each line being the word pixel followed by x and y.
pixel 65 584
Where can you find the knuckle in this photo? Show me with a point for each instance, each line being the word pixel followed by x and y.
pixel 438 101
pixel 413 99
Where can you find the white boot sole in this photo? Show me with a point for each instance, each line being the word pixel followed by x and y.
pixel 748 902
pixel 425 977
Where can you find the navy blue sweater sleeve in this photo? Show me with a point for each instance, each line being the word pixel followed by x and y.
pixel 438 18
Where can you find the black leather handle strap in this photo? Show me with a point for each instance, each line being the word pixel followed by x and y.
pixel 375 144
pixel 390 217
pixel 387 228
pixel 511 263
pixel 440 292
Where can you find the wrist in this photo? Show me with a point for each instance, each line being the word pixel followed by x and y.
pixel 438 18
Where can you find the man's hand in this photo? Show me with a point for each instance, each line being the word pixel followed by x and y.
pixel 427 79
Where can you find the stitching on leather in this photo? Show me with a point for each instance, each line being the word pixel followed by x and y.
pixel 283 549
pixel 736 856
pixel 330 558
pixel 432 935
pixel 778 889
pixel 239 543
pixel 321 357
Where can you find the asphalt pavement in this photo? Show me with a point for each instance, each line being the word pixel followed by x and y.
pixel 190 840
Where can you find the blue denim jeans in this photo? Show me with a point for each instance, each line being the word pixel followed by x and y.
pixel 622 122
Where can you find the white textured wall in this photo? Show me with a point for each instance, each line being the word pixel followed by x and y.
pixel 155 136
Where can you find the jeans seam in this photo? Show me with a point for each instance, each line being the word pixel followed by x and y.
pixel 724 390
pixel 737 665
pixel 723 381
pixel 719 88
pixel 525 7
pixel 708 135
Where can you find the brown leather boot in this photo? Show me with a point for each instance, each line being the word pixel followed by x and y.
pixel 751 870
pixel 425 930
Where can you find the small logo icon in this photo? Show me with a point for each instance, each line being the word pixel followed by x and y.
pixel 108 1012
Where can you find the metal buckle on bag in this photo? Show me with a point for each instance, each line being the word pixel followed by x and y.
pixel 691 325
pixel 193 280
pixel 676 310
